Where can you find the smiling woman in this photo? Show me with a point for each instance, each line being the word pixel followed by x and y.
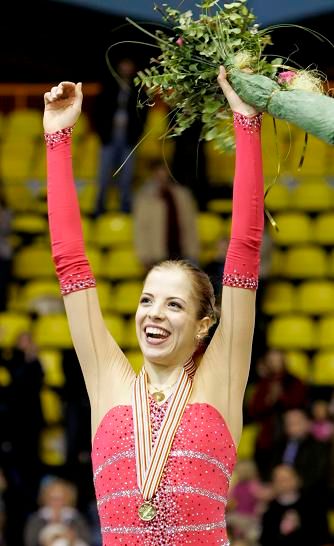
pixel 164 442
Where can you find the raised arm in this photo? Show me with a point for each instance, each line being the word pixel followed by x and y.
pixel 103 363
pixel 227 358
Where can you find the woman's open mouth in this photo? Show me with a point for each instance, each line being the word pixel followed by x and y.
pixel 156 335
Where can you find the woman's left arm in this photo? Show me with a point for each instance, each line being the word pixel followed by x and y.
pixel 227 359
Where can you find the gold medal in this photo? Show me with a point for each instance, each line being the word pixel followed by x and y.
pixel 158 396
pixel 147 511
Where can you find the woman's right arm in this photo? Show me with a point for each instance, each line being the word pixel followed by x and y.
pixel 103 363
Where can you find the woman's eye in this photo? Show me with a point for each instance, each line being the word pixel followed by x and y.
pixel 175 304
pixel 145 299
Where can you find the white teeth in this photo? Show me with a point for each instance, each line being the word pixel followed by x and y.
pixel 150 330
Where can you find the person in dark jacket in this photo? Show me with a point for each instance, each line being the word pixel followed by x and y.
pixel 276 392
pixel 119 123
pixel 292 518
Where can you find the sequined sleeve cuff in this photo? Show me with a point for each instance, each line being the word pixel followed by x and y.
pixel 76 282
pixel 63 135
pixel 237 280
pixel 251 124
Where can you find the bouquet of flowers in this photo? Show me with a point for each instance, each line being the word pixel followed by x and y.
pixel 185 74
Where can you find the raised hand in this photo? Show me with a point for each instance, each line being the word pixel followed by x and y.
pixel 62 106
pixel 235 102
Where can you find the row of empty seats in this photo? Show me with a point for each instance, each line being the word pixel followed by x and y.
pixel 314 297
pixel 293 335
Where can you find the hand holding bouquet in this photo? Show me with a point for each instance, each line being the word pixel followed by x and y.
pixel 185 74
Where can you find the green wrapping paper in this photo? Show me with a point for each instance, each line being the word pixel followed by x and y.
pixel 308 110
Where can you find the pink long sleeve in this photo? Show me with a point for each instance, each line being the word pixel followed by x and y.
pixel 68 253
pixel 243 255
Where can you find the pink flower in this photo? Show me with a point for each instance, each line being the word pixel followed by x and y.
pixel 179 41
pixel 286 77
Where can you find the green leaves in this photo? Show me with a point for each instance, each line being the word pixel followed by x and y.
pixel 185 72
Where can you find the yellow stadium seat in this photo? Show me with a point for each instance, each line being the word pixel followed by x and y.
pixel 86 190
pixel 51 361
pixel 126 297
pixel 105 293
pixel 88 229
pixel 41 296
pixel 88 165
pixel 331 264
pixel 278 198
pixel 24 123
pixel 279 297
pixel 298 364
pixel 277 261
pixel 220 206
pixel 33 224
pixel 323 368
pixel 210 228
pixel 122 264
pixel 131 341
pixel 51 406
pixel 325 332
pixel 315 297
pixel 53 446
pixel 11 326
pixel 246 448
pixel 312 197
pixel 95 259
pixel 292 331
pixel 136 360
pixel 323 229
pixel 305 261
pixel 52 332
pixel 114 230
pixel 32 262
pixel 293 228
pixel 117 327
pixel 17 160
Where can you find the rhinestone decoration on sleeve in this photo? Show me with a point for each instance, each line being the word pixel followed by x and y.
pixel 250 124
pixel 78 283
pixel 240 281
pixel 63 135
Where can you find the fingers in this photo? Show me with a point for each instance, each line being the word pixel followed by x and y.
pixel 63 90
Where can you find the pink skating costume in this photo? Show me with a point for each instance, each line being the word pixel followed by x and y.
pixel 192 494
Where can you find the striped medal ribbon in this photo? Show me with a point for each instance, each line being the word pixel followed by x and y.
pixel 150 462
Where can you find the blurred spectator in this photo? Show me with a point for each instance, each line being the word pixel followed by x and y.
pixel 22 464
pixel 215 267
pixel 189 164
pixel 57 499
pixel 292 518
pixel 6 252
pixel 165 219
pixel 322 427
pixel 58 534
pixel 275 392
pixel 119 125
pixel 3 486
pixel 246 501
pixel 301 450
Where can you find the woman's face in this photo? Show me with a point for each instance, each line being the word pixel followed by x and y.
pixel 166 320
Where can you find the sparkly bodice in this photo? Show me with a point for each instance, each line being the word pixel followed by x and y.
pixel 192 495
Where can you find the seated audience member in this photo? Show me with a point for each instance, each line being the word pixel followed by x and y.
pixel 298 448
pixel 292 517
pixel 57 499
pixel 58 534
pixel 165 219
pixel 246 501
pixel 275 392
pixel 322 426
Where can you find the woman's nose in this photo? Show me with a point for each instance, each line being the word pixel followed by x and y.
pixel 156 311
